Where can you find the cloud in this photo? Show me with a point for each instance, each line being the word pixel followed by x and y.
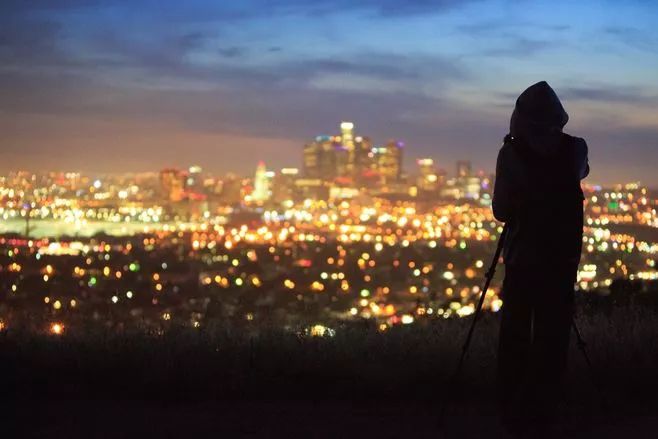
pixel 515 46
pixel 206 10
pixel 633 37
pixel 210 73
pixel 232 52
pixel 611 93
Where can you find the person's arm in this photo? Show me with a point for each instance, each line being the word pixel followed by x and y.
pixel 504 199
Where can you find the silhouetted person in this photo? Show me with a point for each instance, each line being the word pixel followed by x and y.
pixel 537 193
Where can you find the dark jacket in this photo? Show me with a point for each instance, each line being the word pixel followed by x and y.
pixel 537 188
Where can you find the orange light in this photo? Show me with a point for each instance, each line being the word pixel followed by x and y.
pixel 57 328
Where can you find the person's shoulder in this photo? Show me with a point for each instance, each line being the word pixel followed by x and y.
pixel 507 148
pixel 576 142
pixel 510 158
pixel 578 150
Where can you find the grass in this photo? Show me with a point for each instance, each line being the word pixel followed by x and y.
pixel 411 362
pixel 233 382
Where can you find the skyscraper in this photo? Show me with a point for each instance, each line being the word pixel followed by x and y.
pixel 172 183
pixel 261 183
pixel 364 159
pixel 463 168
pixel 346 156
pixel 283 185
pixel 321 157
pixel 347 134
pixel 194 180
pixel 389 161
pixel 428 180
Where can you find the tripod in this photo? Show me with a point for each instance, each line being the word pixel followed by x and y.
pixel 488 277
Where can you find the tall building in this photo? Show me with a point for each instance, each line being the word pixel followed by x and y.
pixel 321 158
pixel 467 185
pixel 283 185
pixel 346 153
pixel 194 180
pixel 231 189
pixel 345 156
pixel 347 134
pixel 428 180
pixel 388 161
pixel 261 183
pixel 464 168
pixel 311 159
pixel 172 184
pixel 364 159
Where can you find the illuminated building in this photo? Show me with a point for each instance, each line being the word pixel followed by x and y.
pixel 320 158
pixel 312 188
pixel 172 183
pixel 344 156
pixel 283 185
pixel 472 186
pixel 231 190
pixel 364 159
pixel 347 133
pixel 262 183
pixel 346 152
pixel 194 180
pixel 464 168
pixel 341 192
pixel 388 161
pixel 311 159
pixel 428 180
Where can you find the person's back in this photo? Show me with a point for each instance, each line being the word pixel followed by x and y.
pixel 537 188
pixel 537 194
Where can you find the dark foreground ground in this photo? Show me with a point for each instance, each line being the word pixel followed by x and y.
pixel 218 382
pixel 294 419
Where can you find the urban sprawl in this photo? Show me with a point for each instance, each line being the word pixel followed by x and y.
pixel 348 238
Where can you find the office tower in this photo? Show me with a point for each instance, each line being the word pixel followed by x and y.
pixel 261 183
pixel 172 184
pixel 231 189
pixel 283 185
pixel 345 151
pixel 347 134
pixel 364 159
pixel 428 179
pixel 194 180
pixel 345 156
pixel 311 159
pixel 389 161
pixel 463 168
pixel 321 158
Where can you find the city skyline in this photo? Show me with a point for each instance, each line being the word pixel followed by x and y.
pixel 220 84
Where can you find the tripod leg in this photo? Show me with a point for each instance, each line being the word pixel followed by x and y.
pixel 582 346
pixel 488 277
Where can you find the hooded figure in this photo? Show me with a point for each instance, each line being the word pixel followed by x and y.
pixel 537 187
pixel 537 194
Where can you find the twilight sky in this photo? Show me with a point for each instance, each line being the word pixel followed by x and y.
pixel 113 85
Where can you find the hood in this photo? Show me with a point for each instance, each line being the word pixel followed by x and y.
pixel 538 118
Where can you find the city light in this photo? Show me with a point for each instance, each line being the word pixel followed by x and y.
pixel 341 239
pixel 57 328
